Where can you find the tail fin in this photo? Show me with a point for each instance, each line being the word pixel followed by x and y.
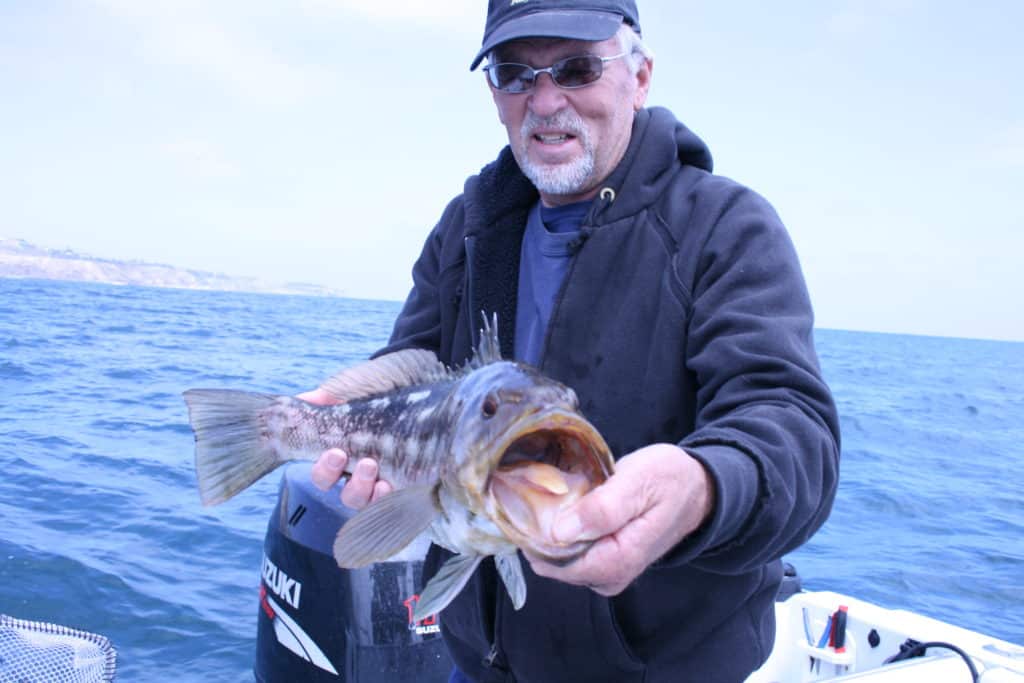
pixel 230 453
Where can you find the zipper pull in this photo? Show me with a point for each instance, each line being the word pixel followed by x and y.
pixel 491 656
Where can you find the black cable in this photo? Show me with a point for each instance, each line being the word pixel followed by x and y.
pixel 915 649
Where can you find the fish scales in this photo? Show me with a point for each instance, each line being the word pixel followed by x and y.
pixel 482 458
pixel 404 431
pixel 407 447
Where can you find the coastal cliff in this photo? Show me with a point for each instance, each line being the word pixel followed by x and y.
pixel 21 259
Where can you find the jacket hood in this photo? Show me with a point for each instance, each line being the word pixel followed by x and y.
pixel 658 145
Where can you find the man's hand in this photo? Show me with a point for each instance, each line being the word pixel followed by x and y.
pixel 658 495
pixel 363 486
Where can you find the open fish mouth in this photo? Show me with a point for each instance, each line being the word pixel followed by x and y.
pixel 547 462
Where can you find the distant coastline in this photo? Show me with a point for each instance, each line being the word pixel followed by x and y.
pixel 22 259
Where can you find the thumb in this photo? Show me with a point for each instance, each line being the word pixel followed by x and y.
pixel 319 397
pixel 602 511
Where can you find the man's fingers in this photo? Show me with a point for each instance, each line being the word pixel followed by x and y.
pixel 606 568
pixel 362 488
pixel 604 510
pixel 328 468
pixel 359 490
pixel 318 397
pixel 381 488
pixel 657 495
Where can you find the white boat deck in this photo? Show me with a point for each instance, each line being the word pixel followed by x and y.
pixel 872 635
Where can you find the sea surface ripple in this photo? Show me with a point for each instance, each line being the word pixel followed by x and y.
pixel 101 527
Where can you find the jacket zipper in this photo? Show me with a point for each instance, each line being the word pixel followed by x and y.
pixel 560 295
pixel 491 659
pixel 605 198
pixel 494 660
pixel 469 244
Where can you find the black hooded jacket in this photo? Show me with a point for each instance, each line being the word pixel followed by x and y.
pixel 683 318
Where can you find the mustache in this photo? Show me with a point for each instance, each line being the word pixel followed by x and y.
pixel 565 120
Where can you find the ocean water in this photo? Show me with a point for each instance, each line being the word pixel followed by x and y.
pixel 101 527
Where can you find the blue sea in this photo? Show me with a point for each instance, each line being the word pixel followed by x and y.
pixel 101 527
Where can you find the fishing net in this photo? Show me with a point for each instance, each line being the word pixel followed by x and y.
pixel 32 651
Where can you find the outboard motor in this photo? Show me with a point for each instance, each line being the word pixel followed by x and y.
pixel 791 583
pixel 318 622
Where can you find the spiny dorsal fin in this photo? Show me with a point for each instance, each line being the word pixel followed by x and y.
pixel 386 373
pixel 488 349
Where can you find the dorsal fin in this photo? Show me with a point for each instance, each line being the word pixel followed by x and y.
pixel 386 373
pixel 488 349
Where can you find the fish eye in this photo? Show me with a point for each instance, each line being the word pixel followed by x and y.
pixel 490 406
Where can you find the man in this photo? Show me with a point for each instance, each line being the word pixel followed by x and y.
pixel 672 302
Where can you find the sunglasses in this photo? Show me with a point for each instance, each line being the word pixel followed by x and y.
pixel 572 72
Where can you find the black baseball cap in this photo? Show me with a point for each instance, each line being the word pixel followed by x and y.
pixel 591 20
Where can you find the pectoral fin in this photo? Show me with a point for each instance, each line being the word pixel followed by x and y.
pixel 446 584
pixel 511 571
pixel 385 527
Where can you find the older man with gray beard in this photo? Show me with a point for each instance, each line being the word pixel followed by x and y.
pixel 671 300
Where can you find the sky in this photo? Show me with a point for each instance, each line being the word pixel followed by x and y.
pixel 319 140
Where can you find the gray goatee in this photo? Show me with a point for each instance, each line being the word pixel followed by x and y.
pixel 570 177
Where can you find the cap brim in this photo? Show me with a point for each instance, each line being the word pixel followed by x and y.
pixel 582 25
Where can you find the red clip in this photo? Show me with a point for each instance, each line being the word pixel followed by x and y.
pixel 837 639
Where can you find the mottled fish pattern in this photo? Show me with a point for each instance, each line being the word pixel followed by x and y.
pixel 481 457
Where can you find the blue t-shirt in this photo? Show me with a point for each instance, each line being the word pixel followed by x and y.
pixel 547 251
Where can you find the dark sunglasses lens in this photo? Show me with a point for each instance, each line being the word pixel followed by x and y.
pixel 512 77
pixel 577 71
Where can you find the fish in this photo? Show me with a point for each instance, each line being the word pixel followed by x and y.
pixel 482 457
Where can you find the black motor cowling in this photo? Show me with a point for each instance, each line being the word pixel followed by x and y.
pixel 318 622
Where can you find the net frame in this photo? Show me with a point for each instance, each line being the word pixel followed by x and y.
pixel 36 643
